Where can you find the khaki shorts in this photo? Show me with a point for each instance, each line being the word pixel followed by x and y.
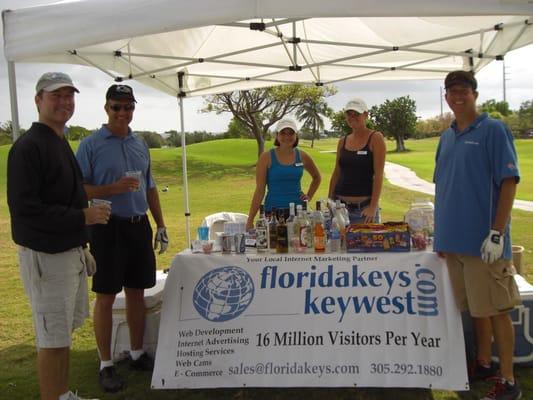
pixel 483 289
pixel 56 285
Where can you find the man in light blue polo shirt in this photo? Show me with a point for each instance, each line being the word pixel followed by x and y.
pixel 116 167
pixel 476 175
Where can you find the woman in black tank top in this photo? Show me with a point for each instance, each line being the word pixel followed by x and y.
pixel 358 175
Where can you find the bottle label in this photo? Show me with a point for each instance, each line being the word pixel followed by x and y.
pixel 303 236
pixel 261 239
pixel 320 244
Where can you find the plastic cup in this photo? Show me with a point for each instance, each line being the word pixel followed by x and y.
pixel 207 246
pixel 101 202
pixel 203 232
pixel 137 175
pixel 227 243
pixel 97 202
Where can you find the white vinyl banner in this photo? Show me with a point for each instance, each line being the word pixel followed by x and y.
pixel 379 319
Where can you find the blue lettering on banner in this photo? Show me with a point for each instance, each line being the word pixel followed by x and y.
pixel 418 296
pixel 427 300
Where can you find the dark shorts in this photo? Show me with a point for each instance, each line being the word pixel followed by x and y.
pixel 124 255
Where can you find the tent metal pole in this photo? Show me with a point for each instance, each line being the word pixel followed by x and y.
pixel 181 95
pixel 294 50
pixel 13 98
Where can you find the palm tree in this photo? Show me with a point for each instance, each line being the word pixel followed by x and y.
pixel 311 114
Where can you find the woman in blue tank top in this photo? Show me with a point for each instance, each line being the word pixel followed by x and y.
pixel 281 170
pixel 358 175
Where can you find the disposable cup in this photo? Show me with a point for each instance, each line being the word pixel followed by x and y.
pixel 207 246
pixel 203 232
pixel 101 202
pixel 137 175
pixel 97 202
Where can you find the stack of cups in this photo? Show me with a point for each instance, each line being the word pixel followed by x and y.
pixel 234 237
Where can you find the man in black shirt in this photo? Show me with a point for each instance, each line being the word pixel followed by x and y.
pixel 49 214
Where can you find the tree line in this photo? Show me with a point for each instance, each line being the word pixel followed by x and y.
pixel 255 113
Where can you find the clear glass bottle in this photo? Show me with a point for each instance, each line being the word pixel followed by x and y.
pixel 291 235
pixel 339 215
pixel 273 230
pixel 304 227
pixel 327 223
pixel 298 222
pixel 309 231
pixel 261 231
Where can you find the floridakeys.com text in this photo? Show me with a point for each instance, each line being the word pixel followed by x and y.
pixel 293 368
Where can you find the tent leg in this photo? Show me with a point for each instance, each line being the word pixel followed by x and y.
pixel 13 98
pixel 185 180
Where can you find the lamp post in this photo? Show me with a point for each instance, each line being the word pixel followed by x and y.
pixel 504 80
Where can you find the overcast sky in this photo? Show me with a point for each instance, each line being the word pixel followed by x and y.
pixel 158 112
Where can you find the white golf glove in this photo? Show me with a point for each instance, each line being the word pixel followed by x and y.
pixel 492 247
pixel 90 263
pixel 161 240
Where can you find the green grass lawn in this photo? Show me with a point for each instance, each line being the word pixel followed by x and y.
pixel 221 178
pixel 420 157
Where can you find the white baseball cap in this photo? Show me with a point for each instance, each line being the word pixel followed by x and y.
pixel 357 105
pixel 286 122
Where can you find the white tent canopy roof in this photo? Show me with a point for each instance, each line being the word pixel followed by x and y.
pixel 224 45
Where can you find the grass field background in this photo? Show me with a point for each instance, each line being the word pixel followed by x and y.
pixel 221 178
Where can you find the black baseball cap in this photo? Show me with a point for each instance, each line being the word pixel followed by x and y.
pixel 465 78
pixel 120 92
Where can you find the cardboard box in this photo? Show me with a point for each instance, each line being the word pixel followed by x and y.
pixel 120 336
pixel 390 236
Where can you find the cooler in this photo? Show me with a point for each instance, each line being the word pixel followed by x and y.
pixel 120 339
pixel 522 317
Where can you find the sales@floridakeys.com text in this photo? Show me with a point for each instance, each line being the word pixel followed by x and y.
pixel 293 368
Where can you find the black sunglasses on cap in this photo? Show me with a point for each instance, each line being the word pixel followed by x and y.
pixel 125 107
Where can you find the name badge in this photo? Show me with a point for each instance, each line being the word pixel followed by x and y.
pixel 361 152
pixel 298 164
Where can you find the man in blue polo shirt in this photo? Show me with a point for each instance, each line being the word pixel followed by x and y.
pixel 116 166
pixel 476 175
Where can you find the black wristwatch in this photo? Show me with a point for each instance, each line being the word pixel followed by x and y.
pixel 496 238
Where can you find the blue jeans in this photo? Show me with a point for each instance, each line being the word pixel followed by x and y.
pixel 356 216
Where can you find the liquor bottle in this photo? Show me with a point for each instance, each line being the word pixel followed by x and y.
pixel 335 236
pixel 298 221
pixel 345 214
pixel 282 243
pixel 309 231
pixel 304 227
pixel 273 230
pixel 327 223
pixel 319 237
pixel 293 238
pixel 339 215
pixel 261 231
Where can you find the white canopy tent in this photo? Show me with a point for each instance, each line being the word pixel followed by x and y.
pixel 193 48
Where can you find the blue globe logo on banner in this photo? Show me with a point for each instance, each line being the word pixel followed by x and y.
pixel 223 294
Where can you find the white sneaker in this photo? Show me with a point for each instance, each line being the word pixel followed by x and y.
pixel 74 396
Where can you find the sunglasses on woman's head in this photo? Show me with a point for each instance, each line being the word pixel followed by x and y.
pixel 125 107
